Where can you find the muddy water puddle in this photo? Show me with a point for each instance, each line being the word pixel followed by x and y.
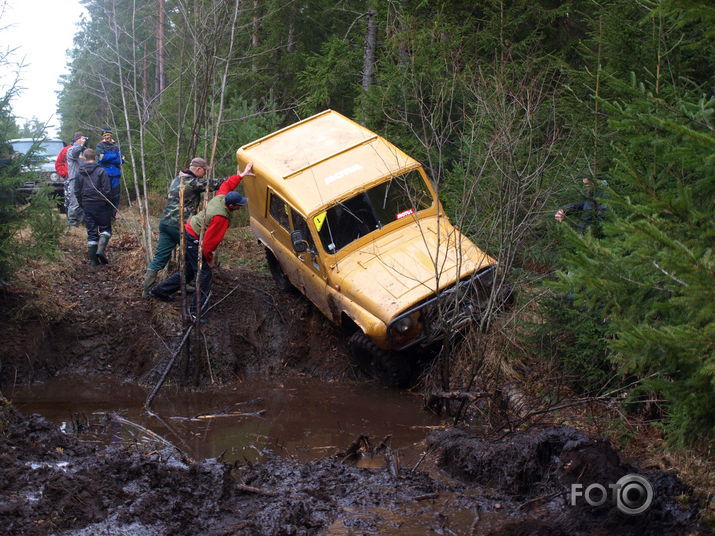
pixel 299 417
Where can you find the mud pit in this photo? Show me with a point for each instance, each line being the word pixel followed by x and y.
pixel 53 483
pixel 56 483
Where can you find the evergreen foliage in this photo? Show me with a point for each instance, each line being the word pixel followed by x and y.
pixel 27 231
pixel 652 271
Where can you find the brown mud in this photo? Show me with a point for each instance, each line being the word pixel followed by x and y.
pixel 92 322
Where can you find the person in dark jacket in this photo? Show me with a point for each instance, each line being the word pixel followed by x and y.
pixel 110 157
pixel 195 183
pixel 92 189
pixel 589 210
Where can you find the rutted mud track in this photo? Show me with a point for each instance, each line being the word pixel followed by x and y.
pixel 95 323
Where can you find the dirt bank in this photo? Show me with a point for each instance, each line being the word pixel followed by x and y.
pixel 71 318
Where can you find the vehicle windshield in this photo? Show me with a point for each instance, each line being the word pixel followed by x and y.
pixel 48 148
pixel 396 198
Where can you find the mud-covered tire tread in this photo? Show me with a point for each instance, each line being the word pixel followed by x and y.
pixel 390 368
pixel 279 277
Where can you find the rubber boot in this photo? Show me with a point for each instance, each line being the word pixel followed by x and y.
pixel 92 254
pixel 149 280
pixel 102 246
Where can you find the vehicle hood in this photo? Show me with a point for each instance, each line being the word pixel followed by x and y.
pixel 399 269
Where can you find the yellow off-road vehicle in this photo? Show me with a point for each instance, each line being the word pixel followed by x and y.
pixel 354 224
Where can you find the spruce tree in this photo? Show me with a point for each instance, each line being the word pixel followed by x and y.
pixel 652 273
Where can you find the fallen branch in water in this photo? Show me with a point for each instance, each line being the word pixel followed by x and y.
pixel 542 498
pixel 419 462
pixel 219 415
pixel 426 496
pixel 121 420
pixel 460 395
pixel 169 365
pixel 257 491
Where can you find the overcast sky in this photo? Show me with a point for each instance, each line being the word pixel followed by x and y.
pixel 42 32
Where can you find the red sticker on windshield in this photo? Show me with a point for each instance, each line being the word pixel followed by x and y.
pixel 404 213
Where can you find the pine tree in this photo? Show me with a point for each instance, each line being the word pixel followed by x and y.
pixel 653 273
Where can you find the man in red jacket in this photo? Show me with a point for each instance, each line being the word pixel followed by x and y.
pixel 213 222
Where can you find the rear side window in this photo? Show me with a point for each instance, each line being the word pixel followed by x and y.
pixel 279 211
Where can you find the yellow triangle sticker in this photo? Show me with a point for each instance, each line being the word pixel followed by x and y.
pixel 319 220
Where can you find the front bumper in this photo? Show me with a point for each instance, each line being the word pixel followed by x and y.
pixel 448 311
pixel 56 189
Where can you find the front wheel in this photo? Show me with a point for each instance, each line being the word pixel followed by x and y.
pixel 394 369
pixel 279 276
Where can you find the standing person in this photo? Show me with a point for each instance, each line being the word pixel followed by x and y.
pixel 169 225
pixel 74 154
pixel 93 188
pixel 213 221
pixel 110 158
pixel 61 162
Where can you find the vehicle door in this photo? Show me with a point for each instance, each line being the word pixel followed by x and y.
pixel 279 228
pixel 314 278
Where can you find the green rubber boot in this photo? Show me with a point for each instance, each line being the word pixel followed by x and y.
pixel 92 254
pixel 102 246
pixel 149 280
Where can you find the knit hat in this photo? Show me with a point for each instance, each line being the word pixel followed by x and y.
pixel 199 162
pixel 106 130
pixel 77 135
pixel 234 198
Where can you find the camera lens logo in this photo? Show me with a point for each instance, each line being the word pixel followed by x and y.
pixel 633 494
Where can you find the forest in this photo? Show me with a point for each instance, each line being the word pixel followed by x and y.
pixel 509 105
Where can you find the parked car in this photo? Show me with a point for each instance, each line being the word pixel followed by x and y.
pixel 42 170
pixel 355 225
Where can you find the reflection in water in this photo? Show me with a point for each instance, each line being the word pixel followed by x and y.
pixel 300 417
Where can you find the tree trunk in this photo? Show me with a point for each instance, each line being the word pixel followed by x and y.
pixel 370 45
pixel 160 81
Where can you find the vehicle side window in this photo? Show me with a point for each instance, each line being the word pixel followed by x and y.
pixel 279 211
pixel 299 224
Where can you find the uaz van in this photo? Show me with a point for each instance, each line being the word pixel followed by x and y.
pixel 354 224
pixel 42 171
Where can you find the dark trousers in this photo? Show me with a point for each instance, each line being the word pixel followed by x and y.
pixel 173 283
pixel 115 197
pixel 98 219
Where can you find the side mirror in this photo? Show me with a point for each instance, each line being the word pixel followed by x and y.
pixel 300 245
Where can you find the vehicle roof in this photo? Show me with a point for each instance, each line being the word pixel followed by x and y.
pixel 322 159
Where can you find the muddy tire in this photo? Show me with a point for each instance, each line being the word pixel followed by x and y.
pixel 393 369
pixel 279 276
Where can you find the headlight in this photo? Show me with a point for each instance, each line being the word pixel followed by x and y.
pixel 403 325
pixel 55 177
